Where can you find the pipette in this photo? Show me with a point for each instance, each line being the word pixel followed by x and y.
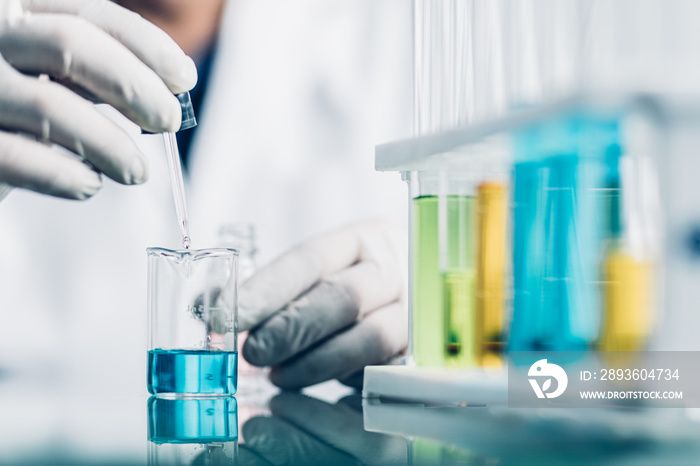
pixel 175 168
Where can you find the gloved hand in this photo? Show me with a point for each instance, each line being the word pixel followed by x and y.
pixel 329 307
pixel 96 50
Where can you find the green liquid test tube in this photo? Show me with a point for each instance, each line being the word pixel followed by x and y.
pixel 444 322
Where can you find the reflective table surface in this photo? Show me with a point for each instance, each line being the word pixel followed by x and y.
pixel 67 422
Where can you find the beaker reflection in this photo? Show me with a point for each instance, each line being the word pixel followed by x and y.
pixel 192 431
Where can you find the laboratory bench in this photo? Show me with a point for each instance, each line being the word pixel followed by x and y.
pixel 70 423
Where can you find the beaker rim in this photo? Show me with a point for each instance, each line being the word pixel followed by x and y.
pixel 192 253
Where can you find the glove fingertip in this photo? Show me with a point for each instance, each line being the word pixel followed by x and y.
pixel 80 189
pixel 177 70
pixel 172 119
pixel 92 185
pixel 244 324
pixel 167 119
pixel 256 351
pixel 183 77
pixel 279 377
pixel 180 75
pixel 247 315
pixel 88 192
pixel 249 352
pixel 138 172
pixel 188 75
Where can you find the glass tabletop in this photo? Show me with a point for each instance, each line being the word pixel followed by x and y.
pixel 61 423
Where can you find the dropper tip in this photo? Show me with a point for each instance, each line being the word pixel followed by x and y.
pixel 186 242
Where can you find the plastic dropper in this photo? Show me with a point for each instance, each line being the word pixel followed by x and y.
pixel 175 167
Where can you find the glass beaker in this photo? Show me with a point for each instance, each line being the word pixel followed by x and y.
pixel 192 322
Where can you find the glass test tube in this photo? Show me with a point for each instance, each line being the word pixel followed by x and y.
pixel 559 231
pixel 458 80
pixel 492 210
pixel 443 282
pixel 627 265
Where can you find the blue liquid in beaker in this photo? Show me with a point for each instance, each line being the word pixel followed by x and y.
pixel 192 372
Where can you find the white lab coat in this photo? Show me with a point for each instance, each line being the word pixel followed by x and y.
pixel 300 94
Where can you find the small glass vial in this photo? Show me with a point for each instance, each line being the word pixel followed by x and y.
pixel 241 237
pixel 192 322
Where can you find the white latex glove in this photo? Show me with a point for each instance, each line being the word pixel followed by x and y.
pixel 329 307
pixel 96 50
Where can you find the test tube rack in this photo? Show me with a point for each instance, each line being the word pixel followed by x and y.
pixel 661 127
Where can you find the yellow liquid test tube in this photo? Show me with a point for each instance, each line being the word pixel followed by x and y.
pixel 628 303
pixel 490 272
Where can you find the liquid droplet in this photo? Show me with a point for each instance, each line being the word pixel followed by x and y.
pixel 186 242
